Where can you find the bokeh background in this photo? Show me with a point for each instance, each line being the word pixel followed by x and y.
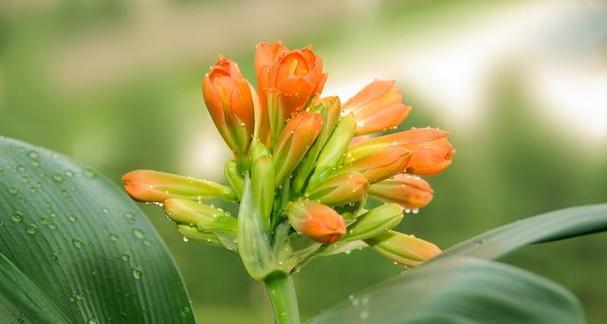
pixel 521 84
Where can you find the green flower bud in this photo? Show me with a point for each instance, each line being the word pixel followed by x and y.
pixel 233 177
pixel 204 218
pixel 329 108
pixel 192 233
pixel 340 189
pixel 262 181
pixel 333 152
pixel 374 222
pixel 406 250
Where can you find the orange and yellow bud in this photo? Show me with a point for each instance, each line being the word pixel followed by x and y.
pixel 406 250
pixel 294 141
pixel 316 221
pixel 154 186
pixel 381 165
pixel 228 97
pixel 286 80
pixel 406 190
pixel 431 158
pixel 377 107
pixel 340 189
pixel 432 152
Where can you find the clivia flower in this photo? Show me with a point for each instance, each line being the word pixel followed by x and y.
pixel 304 168
pixel 286 81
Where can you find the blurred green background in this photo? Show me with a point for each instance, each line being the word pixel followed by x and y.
pixel 521 84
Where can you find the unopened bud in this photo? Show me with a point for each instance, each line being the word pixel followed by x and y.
pixel 262 180
pixel 380 165
pixel 154 186
pixel 333 152
pixel 407 190
pixel 294 141
pixel 374 222
pixel 377 107
pixel 330 109
pixel 316 221
pixel 233 177
pixel 341 189
pixel 406 250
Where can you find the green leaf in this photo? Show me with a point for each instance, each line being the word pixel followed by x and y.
pixel 75 249
pixel 459 290
pixel 555 225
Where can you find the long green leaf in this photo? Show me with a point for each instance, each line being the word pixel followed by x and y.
pixel 74 248
pixel 556 225
pixel 459 290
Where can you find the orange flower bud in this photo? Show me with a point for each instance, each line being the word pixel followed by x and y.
pixel 265 56
pixel 154 186
pixel 407 190
pixel 406 250
pixel 296 76
pixel 286 79
pixel 377 107
pixel 294 141
pixel 431 158
pixel 380 165
pixel 228 97
pixel 316 221
pixel 432 152
pixel 340 189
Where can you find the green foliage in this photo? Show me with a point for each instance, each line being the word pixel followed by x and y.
pixel 458 287
pixel 459 290
pixel 75 249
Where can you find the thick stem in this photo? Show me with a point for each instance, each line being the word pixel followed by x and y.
pixel 284 301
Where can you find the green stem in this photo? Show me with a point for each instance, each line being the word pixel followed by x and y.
pixel 284 301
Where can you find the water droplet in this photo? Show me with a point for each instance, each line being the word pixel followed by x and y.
pixel 13 190
pixel 130 217
pixel 54 257
pixel 77 243
pixel 113 237
pixel 31 229
pixel 17 217
pixel 92 321
pixel 185 311
pixel 52 225
pixel 89 173
pixel 69 173
pixel 185 239
pixel 76 297
pixel 125 256
pixel 57 177
pixel 137 273
pixel 139 233
pixel 105 210
pixel 20 168
pixel 72 218
pixel 415 210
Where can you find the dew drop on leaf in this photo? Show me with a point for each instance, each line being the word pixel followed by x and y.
pixel 58 177
pixel 77 243
pixel 17 217
pixel 31 229
pixel 137 273
pixel 139 233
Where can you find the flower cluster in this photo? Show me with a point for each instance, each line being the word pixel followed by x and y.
pixel 304 168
